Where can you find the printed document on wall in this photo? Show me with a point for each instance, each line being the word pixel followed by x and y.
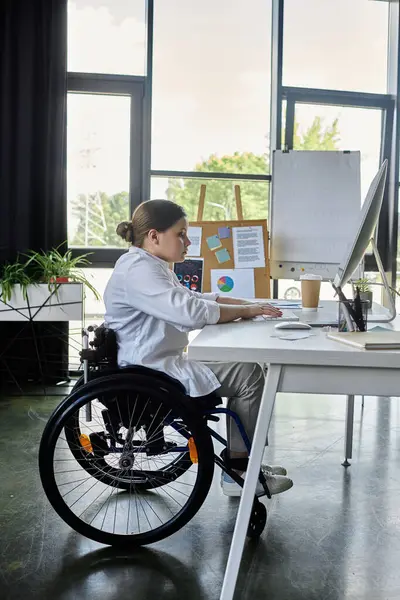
pixel 248 247
pixel 233 282
pixel 194 235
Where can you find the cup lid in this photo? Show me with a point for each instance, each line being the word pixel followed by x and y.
pixel 311 277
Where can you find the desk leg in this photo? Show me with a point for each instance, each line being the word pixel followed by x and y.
pixel 249 488
pixel 348 442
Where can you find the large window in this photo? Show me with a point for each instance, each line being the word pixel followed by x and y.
pixel 107 36
pixel 105 157
pixel 334 66
pixel 211 85
pixel 98 168
pixel 106 173
pixel 336 44
pixel 199 112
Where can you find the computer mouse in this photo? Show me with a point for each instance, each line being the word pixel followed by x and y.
pixel 292 325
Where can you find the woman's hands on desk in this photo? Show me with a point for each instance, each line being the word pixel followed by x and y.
pixel 261 308
pixel 246 310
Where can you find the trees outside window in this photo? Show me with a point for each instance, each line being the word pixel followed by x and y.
pixel 98 214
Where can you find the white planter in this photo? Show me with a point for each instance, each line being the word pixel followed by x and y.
pixel 42 304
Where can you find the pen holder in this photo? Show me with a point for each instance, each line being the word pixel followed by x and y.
pixel 342 318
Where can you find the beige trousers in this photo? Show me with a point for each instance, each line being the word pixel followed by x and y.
pixel 242 384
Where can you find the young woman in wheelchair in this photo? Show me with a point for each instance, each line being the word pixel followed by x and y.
pixel 152 313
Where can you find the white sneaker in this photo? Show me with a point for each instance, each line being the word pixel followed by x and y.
pixel 276 485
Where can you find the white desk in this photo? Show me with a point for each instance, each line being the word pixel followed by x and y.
pixel 312 365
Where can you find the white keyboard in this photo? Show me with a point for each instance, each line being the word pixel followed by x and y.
pixel 287 315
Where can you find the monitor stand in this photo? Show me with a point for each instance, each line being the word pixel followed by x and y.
pixel 390 296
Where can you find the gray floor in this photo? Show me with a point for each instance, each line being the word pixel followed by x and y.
pixel 335 535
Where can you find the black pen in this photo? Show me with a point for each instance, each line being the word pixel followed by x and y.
pixel 347 304
pixel 358 310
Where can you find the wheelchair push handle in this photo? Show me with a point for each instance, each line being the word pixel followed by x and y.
pixel 101 349
pixel 85 361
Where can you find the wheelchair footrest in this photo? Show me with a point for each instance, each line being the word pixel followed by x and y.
pixel 241 464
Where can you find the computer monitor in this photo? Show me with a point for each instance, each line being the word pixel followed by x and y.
pixel 369 216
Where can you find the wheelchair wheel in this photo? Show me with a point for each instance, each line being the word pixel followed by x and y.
pixel 258 520
pixel 122 501
pixel 106 467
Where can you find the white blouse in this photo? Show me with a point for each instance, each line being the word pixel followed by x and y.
pixel 152 313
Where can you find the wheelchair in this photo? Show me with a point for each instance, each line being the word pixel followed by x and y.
pixel 127 458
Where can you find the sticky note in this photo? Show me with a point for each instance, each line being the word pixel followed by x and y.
pixel 224 232
pixel 213 242
pixel 223 255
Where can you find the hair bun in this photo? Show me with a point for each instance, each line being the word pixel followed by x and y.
pixel 125 230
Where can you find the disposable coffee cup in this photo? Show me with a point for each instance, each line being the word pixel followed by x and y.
pixel 310 289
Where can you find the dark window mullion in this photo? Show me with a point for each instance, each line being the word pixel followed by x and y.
pixel 386 243
pixel 210 175
pixel 136 152
pixel 147 104
pixel 337 97
pixel 103 84
pixel 100 257
pixel 289 123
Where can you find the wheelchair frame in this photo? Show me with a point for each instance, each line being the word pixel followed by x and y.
pixel 89 356
pixel 187 416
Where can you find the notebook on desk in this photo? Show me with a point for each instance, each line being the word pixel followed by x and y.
pixel 369 340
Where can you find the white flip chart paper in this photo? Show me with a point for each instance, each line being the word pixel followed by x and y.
pixel 316 202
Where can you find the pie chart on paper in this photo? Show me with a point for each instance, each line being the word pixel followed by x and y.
pixel 225 283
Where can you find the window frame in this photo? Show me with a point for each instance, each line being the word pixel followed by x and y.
pixel 383 102
pixel 117 85
pixel 390 145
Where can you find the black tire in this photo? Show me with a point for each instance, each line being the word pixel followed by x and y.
pixel 258 519
pixel 52 442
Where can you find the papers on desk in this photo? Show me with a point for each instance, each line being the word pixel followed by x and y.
pixel 293 304
pixel 368 340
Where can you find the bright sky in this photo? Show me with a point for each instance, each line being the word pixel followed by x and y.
pixel 211 90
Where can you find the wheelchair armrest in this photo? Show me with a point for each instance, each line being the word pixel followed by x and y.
pixel 89 354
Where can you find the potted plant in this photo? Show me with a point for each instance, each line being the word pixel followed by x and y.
pixel 13 274
pixel 35 288
pixel 363 284
pixel 53 267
